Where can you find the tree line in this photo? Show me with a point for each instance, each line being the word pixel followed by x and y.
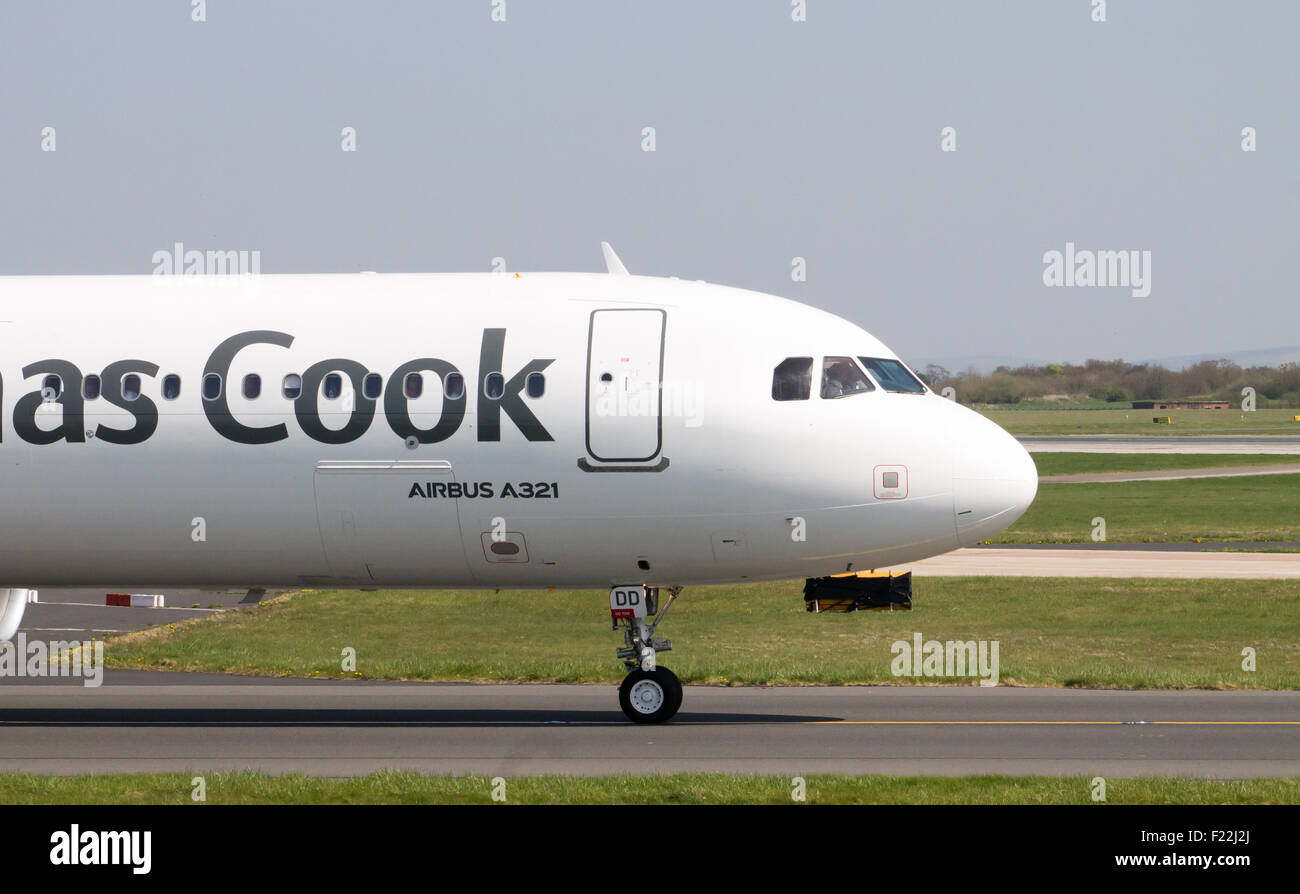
pixel 1116 381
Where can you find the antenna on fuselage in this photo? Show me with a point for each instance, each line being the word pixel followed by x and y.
pixel 613 266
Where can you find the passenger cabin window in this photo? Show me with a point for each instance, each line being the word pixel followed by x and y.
pixel 792 379
pixel 454 386
pixel 333 386
pixel 413 385
pixel 494 385
pixel 211 386
pixel 90 387
pixel 252 386
pixel 841 377
pixel 372 386
pixel 535 384
pixel 171 387
pixel 131 387
pixel 291 388
pixel 51 387
pixel 892 375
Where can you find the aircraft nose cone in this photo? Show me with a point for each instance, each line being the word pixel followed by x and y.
pixel 994 480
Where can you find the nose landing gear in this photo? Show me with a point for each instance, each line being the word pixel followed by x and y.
pixel 649 693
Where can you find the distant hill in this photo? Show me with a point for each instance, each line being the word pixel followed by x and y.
pixel 1261 357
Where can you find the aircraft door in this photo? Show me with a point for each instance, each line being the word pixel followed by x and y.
pixel 390 523
pixel 624 377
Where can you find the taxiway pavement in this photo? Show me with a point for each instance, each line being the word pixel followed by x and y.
pixel 141 721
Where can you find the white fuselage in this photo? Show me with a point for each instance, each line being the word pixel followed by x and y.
pixel 679 468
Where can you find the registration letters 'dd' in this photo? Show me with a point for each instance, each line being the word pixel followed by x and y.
pixel 627 602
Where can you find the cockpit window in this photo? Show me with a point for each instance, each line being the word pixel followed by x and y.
pixel 841 377
pixel 892 375
pixel 792 379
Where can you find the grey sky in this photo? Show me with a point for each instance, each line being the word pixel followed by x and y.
pixel 775 139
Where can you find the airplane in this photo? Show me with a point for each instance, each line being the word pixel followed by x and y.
pixel 481 430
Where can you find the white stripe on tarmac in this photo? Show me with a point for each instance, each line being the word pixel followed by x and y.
pixel 1108 563
pixel 68 630
pixel 1277 444
pixel 1171 474
pixel 155 608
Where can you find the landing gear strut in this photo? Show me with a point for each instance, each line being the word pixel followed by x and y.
pixel 649 694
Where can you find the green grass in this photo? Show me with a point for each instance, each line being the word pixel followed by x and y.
pixel 1062 403
pixel 1144 633
pixel 1087 463
pixel 1138 422
pixel 1250 508
pixel 394 787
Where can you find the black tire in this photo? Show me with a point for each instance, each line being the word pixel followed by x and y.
pixel 650 696
pixel 670 678
pixel 675 685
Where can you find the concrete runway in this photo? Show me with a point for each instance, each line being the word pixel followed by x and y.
pixel 80 613
pixel 1161 443
pixel 1047 562
pixel 144 721
pixel 1172 474
pixel 1176 546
